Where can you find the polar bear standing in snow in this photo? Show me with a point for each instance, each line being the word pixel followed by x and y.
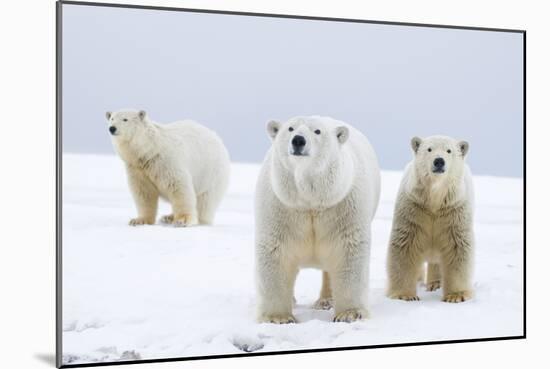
pixel 182 162
pixel 316 196
pixel 433 222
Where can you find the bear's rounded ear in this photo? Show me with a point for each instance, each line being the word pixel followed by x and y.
pixel 108 115
pixel 415 143
pixel 464 147
pixel 273 127
pixel 142 114
pixel 342 134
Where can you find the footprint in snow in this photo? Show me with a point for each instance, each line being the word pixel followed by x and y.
pixel 247 344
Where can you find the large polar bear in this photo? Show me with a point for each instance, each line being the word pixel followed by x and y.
pixel 316 196
pixel 433 222
pixel 182 162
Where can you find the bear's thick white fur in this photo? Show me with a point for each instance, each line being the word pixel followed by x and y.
pixel 183 162
pixel 315 210
pixel 433 222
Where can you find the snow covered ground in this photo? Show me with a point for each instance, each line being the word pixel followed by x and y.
pixel 159 292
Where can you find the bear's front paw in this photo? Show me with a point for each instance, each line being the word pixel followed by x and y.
pixel 404 297
pixel 433 285
pixel 323 303
pixel 185 220
pixel 350 315
pixel 141 221
pixel 455 297
pixel 278 318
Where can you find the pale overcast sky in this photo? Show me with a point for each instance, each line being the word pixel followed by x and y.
pixel 234 73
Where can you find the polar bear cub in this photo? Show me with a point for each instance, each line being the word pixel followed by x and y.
pixel 433 222
pixel 183 162
pixel 316 196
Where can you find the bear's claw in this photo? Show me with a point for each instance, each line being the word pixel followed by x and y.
pixel 278 319
pixel 185 220
pixel 456 297
pixel 349 316
pixel 323 304
pixel 140 221
pixel 404 297
pixel 433 285
pixel 167 219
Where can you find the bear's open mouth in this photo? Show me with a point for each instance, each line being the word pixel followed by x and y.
pixel 438 170
pixel 298 153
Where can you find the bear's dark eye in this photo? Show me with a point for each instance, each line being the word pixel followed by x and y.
pixel 317 131
pixel 125 119
pixel 429 149
pixel 290 129
pixel 449 151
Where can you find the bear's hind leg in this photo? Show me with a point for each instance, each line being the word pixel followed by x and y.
pixel 207 204
pixel 167 219
pixel 209 201
pixel 433 277
pixel 324 302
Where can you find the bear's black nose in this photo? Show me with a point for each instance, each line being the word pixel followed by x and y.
pixel 439 163
pixel 298 142
pixel 112 129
